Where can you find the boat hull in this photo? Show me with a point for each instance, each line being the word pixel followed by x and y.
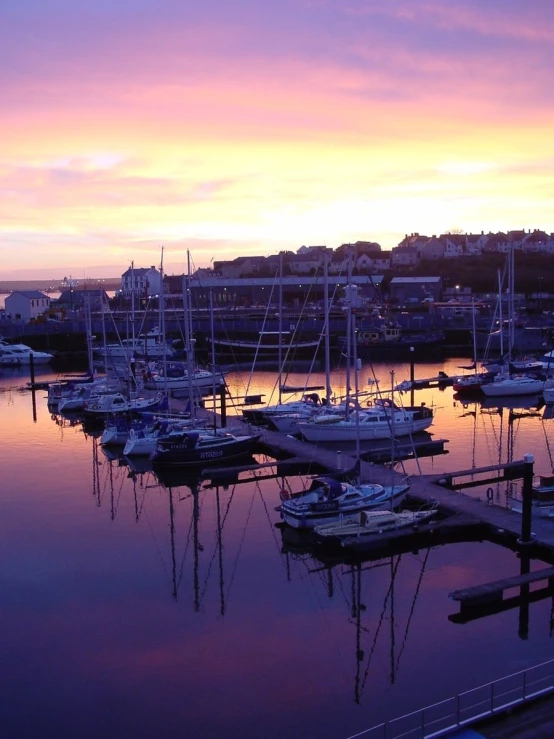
pixel 348 431
pixel 328 512
pixel 179 454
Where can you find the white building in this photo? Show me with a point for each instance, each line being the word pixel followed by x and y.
pixel 143 282
pixel 26 304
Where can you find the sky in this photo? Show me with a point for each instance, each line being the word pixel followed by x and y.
pixel 228 129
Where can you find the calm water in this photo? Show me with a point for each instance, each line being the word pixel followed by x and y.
pixel 131 609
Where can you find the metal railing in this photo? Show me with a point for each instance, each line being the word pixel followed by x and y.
pixel 445 717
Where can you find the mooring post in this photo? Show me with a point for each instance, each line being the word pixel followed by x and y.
pixel 339 460
pixel 223 407
pixel 32 368
pixel 525 589
pixel 412 374
pixel 527 495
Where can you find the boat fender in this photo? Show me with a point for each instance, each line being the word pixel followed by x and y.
pixel 284 494
pixel 490 495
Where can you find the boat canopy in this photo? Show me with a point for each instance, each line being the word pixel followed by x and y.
pixel 334 487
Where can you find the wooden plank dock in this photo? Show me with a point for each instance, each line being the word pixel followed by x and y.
pixel 503 524
pixel 493 591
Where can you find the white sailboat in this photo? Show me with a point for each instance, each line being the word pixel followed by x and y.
pixel 507 384
pixel 328 500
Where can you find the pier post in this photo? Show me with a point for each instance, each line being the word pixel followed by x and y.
pixel 412 374
pixel 339 460
pixel 33 389
pixel 32 369
pixel 222 406
pixel 525 589
pixel 527 494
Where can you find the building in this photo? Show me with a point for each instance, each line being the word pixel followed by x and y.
pixel 141 281
pixel 264 291
pixel 240 267
pixel 414 289
pixel 71 300
pixel 433 249
pixel 27 305
pixel 405 256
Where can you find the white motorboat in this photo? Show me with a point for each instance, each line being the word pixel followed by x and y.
pixel 329 500
pixel 548 395
pixel 382 420
pixel 18 355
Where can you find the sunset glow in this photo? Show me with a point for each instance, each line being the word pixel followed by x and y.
pixel 237 128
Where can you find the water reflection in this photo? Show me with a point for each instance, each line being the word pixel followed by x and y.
pixel 180 598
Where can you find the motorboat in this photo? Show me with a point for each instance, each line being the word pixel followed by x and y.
pixel 18 355
pixel 369 525
pixel 330 501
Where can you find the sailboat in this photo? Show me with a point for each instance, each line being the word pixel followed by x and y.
pixel 505 383
pixel 472 383
pixel 331 501
pixel 198 446
pixel 369 525
pixel 284 416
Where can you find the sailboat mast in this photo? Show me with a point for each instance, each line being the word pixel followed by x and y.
pixel 280 345
pixel 133 306
pixel 348 329
pixel 188 337
pixel 212 330
pixel 326 328
pixel 474 335
pixel 162 323
pixel 500 316
pixel 356 382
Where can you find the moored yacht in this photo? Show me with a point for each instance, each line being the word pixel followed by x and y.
pixel 329 500
pixel 382 420
pixel 17 355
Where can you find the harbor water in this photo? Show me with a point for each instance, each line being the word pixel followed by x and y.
pixel 134 608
